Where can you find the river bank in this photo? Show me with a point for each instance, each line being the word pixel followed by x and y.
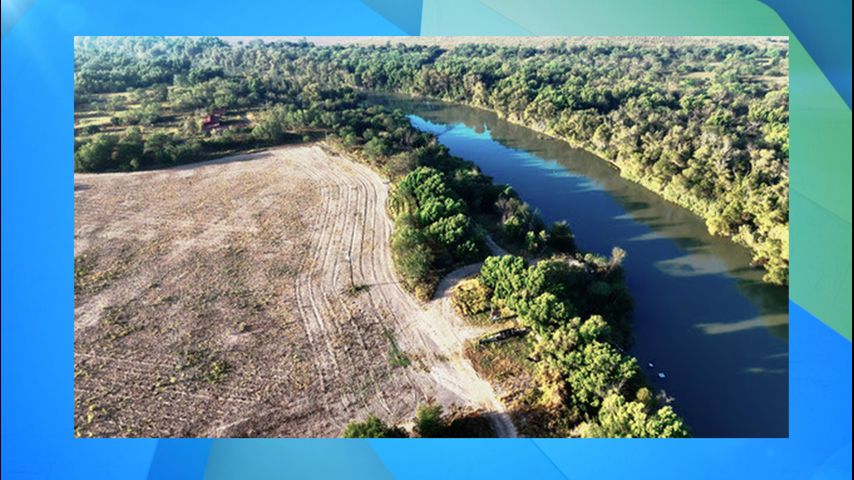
pixel 702 315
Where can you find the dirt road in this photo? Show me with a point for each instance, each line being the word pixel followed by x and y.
pixel 442 325
pixel 254 296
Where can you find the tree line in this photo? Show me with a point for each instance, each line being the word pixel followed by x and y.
pixel 703 125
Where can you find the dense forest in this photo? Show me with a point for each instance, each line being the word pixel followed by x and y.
pixel 705 125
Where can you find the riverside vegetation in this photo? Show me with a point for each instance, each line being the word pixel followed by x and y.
pixel 578 311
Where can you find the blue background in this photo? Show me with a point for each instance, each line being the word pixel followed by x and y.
pixel 37 286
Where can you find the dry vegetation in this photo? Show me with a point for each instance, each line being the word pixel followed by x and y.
pixel 218 300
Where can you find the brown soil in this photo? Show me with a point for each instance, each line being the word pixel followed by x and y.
pixel 254 296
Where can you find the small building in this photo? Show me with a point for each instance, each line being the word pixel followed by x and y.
pixel 211 122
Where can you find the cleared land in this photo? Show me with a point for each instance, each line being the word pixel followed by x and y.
pixel 254 296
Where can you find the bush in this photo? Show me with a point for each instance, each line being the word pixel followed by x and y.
pixel 373 427
pixel 428 421
pixel 96 155
pixel 471 297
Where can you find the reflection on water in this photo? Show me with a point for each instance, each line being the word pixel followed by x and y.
pixel 702 314
pixel 692 265
pixel 764 321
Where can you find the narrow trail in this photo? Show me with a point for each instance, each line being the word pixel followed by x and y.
pixel 451 333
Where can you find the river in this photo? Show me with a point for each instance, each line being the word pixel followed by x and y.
pixel 702 315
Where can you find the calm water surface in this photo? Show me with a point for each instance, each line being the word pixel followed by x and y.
pixel 702 316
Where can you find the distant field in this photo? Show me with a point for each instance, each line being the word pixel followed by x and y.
pixel 220 300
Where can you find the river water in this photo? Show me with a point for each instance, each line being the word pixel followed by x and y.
pixel 702 316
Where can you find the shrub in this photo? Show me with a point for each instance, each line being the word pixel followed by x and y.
pixel 428 421
pixel 471 297
pixel 372 427
pixel 96 155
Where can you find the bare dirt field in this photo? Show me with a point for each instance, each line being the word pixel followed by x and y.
pixel 254 296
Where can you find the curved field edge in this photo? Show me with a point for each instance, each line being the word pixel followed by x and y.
pixel 225 308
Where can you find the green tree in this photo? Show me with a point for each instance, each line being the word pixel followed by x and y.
pixel 156 151
pixel 96 155
pixel 620 418
pixel 504 275
pixel 272 125
pixel 546 312
pixel 128 152
pixel 578 362
pixel 450 231
pixel 413 259
pixel 594 370
pixel 432 209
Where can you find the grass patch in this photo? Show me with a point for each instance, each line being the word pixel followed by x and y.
pixel 83 265
pixel 202 364
pixel 86 278
pixel 357 289
pixel 506 364
pixel 89 280
pixel 396 356
pixel 116 322
pixel 217 370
